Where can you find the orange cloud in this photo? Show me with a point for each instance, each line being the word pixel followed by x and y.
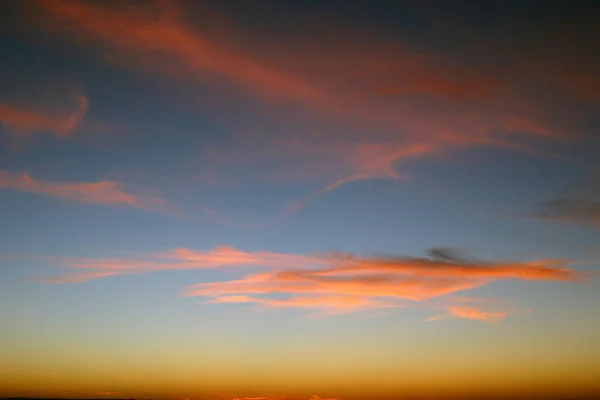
pixel 80 277
pixel 105 193
pixel 327 303
pixel 179 259
pixel 332 282
pixel 403 278
pixel 432 109
pixel 21 122
pixel 157 39
pixel 352 283
pixel 226 255
pixel 472 313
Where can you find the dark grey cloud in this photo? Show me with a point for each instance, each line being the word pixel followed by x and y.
pixel 580 205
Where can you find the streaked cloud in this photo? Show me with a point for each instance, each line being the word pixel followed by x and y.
pixel 104 193
pixel 156 38
pixel 414 279
pixel 584 211
pixel 21 122
pixel 333 282
pixel 580 205
pixel 330 304
pixel 469 312
pixel 79 277
pixel 178 259
pixel 389 103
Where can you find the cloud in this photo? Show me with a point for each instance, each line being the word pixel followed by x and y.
pixel 332 283
pixel 349 283
pixel 412 279
pixel 21 122
pixel 580 205
pixel 387 103
pixel 469 312
pixel 105 193
pixel 155 38
pixel 583 211
pixel 326 303
pixel 178 259
pixel 79 277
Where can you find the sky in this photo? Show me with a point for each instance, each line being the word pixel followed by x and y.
pixel 299 199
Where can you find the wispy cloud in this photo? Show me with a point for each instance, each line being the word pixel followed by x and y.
pixel 580 205
pixel 79 277
pixel 329 304
pixel 414 279
pixel 148 37
pixel 390 104
pixel 349 283
pixel 584 211
pixel 178 259
pixel 105 193
pixel 21 121
pixel 332 282
pixel 469 312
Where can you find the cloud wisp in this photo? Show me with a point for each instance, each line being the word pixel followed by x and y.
pixel 21 122
pixel 392 104
pixel 582 211
pixel 333 282
pixel 470 312
pixel 177 259
pixel 104 193
pixel 580 206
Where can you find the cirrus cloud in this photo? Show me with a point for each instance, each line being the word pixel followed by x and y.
pixel 387 102
pixel 105 193
pixel 21 122
pixel 333 282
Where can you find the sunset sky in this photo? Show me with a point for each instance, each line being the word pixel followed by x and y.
pixel 340 199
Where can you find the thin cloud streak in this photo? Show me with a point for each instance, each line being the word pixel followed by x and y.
pixel 425 105
pixel 138 36
pixel 410 281
pixel 354 283
pixel 104 193
pixel 329 304
pixel 21 122
pixel 331 282
pixel 79 277
pixel 581 205
pixel 468 312
pixel 178 259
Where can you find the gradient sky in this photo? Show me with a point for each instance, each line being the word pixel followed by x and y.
pixel 298 198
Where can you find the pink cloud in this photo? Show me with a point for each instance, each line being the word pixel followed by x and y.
pixel 415 281
pixel 80 277
pixel 21 122
pixel 390 103
pixel 105 193
pixel 179 259
pixel 332 282
pixel 326 303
